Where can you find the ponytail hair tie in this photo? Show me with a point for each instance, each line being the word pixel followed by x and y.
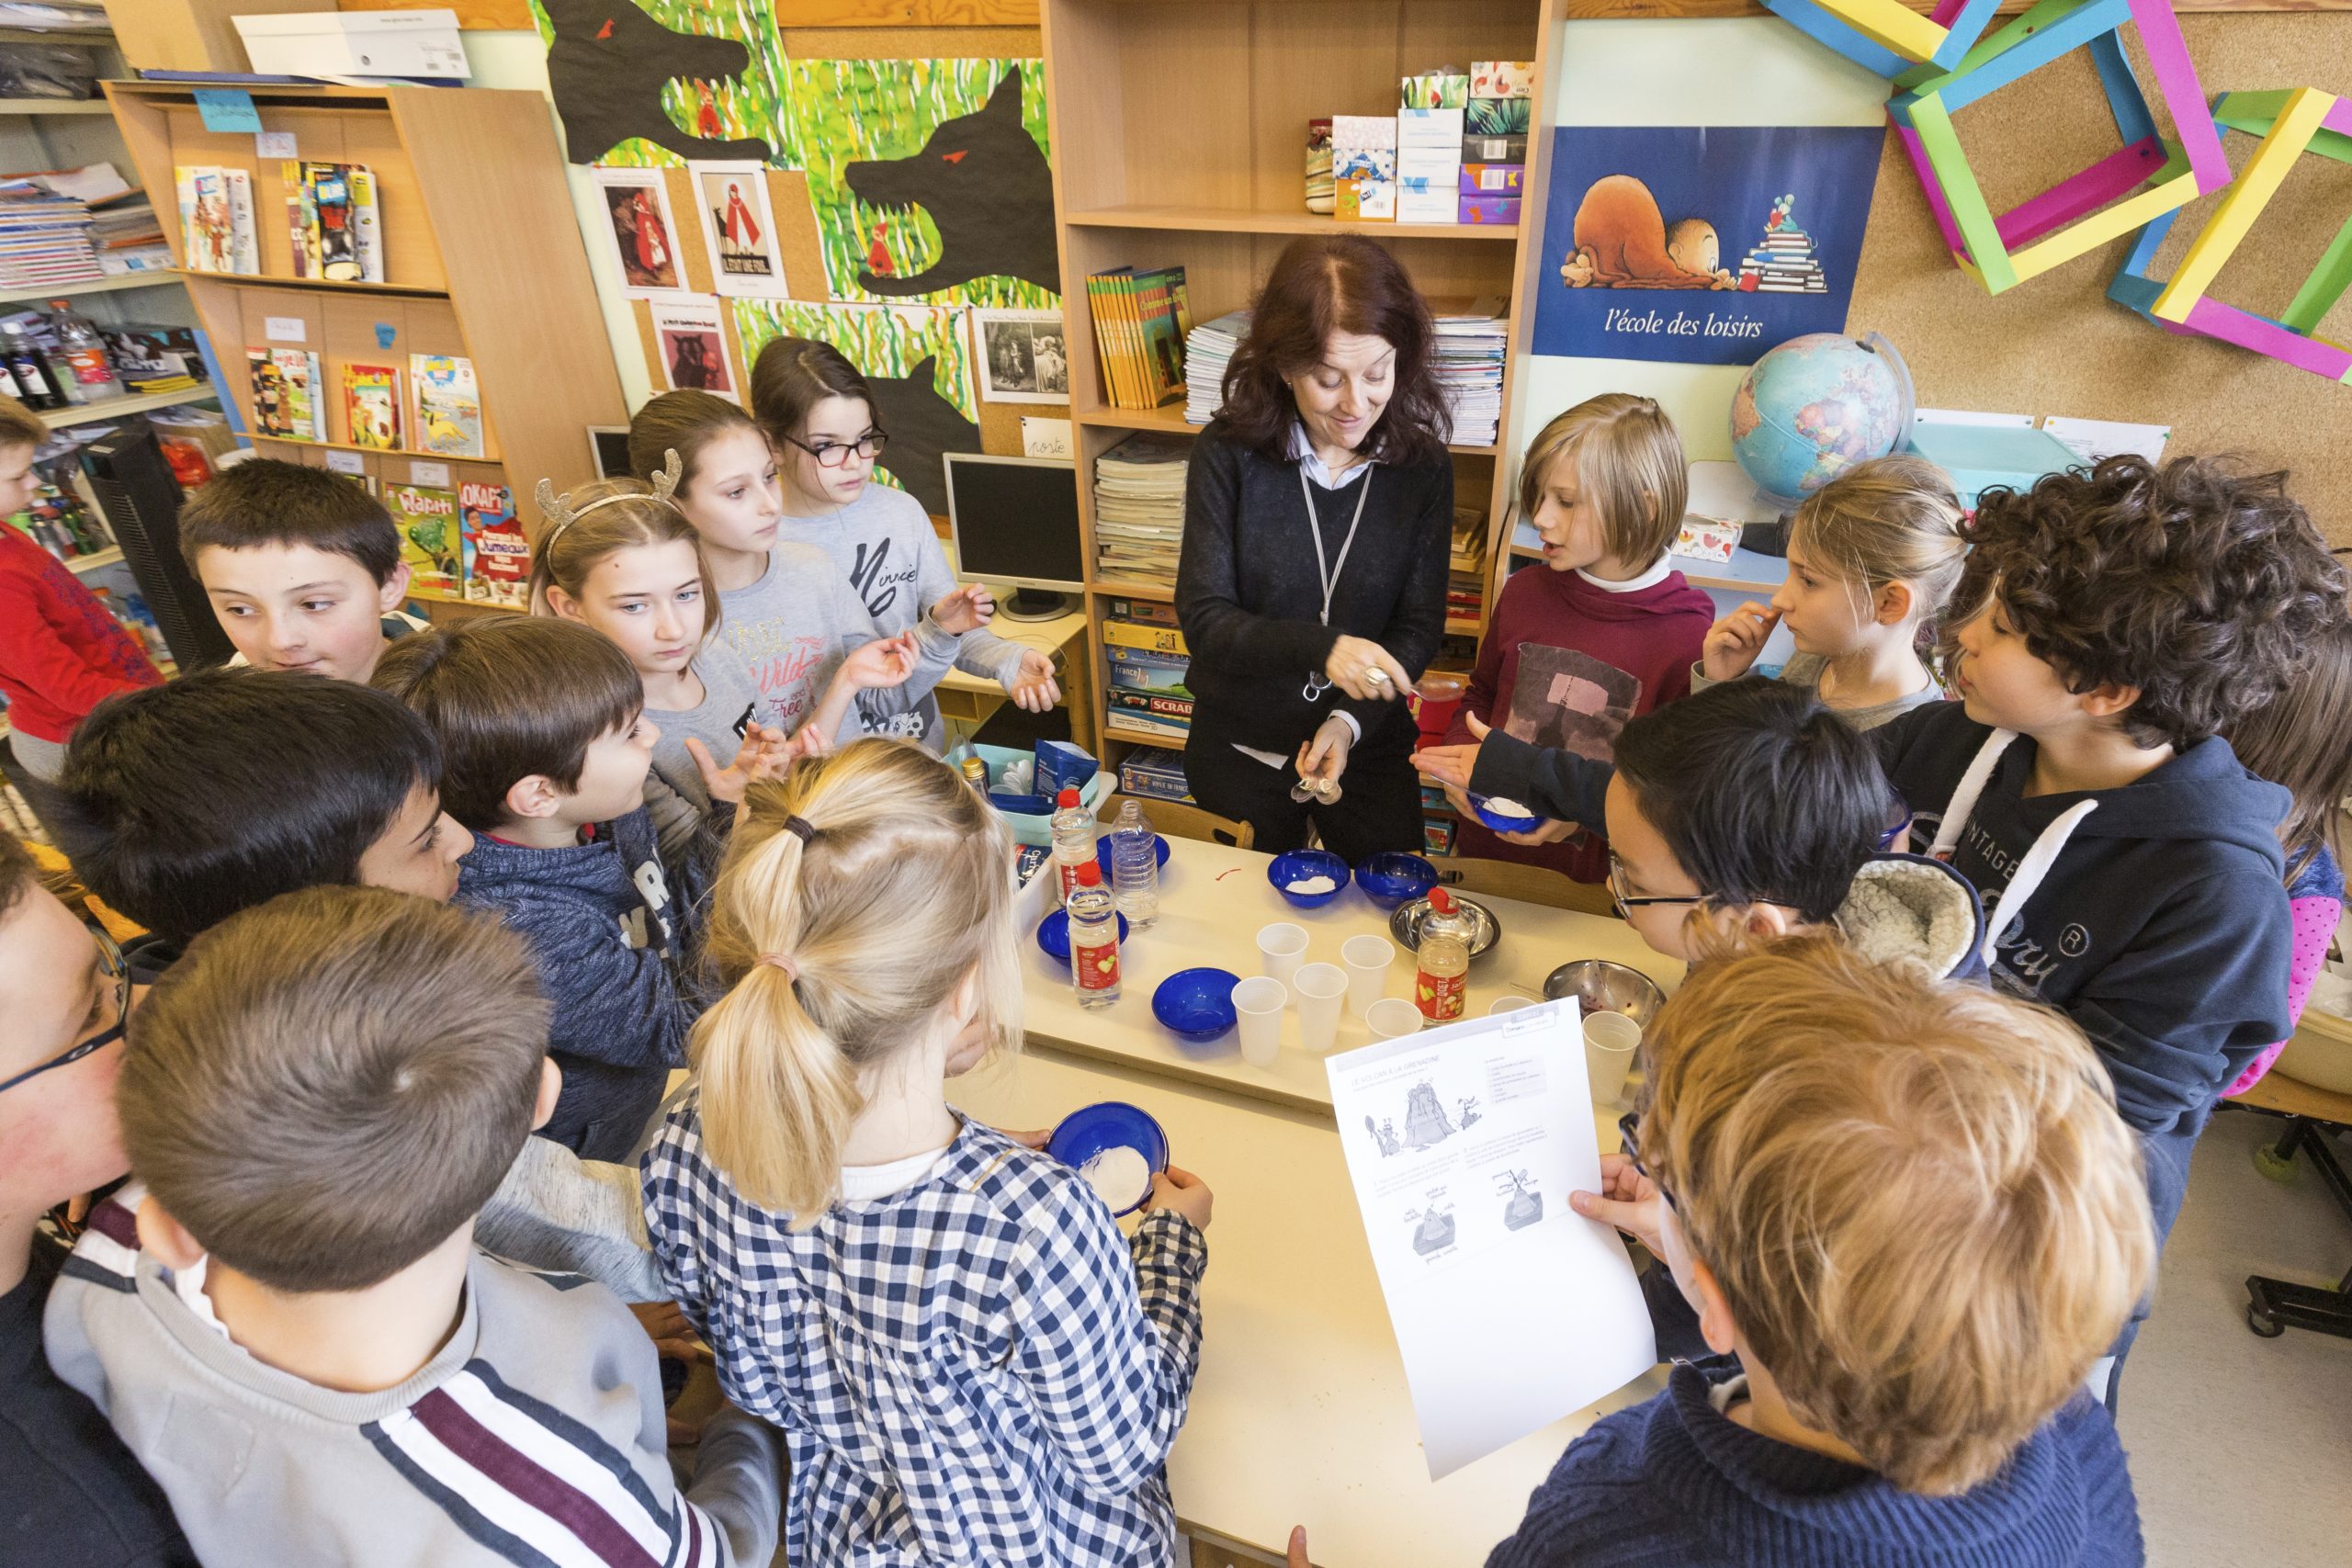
pixel 802 829
pixel 782 961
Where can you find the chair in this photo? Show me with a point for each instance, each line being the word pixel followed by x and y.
pixel 2310 1114
pixel 1528 884
pixel 1179 820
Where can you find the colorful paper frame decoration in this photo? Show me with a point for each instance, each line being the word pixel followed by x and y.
pixel 1887 36
pixel 2074 216
pixel 2291 123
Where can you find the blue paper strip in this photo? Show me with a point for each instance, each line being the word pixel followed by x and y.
pixel 228 109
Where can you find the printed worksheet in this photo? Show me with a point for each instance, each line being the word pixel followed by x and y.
pixel 1464 1143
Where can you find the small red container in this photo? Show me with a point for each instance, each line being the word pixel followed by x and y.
pixel 1435 699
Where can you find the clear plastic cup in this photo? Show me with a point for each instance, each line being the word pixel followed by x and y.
pixel 1259 1002
pixel 1282 948
pixel 1610 1038
pixel 1391 1017
pixel 1318 989
pixel 1509 1004
pixel 1367 959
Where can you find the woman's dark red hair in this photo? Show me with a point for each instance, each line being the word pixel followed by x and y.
pixel 1345 283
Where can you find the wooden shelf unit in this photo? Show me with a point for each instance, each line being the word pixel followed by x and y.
pixel 1180 138
pixel 481 258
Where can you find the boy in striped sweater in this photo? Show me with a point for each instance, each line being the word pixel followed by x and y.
pixel 289 1324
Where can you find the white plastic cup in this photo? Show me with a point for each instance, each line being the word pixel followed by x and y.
pixel 1610 1041
pixel 1260 1001
pixel 1367 958
pixel 1282 948
pixel 1318 989
pixel 1509 1004
pixel 1393 1018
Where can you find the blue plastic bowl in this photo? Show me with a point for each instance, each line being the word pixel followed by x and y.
pixel 1103 853
pixel 1501 823
pixel 1090 1129
pixel 1196 1004
pixel 1053 935
pixel 1393 877
pixel 1898 822
pixel 1298 865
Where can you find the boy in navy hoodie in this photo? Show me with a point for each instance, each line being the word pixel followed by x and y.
pixel 546 748
pixel 1911 1351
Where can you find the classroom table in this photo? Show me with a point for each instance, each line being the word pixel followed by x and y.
pixel 1300 1413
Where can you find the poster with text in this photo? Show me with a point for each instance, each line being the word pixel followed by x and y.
pixel 1702 244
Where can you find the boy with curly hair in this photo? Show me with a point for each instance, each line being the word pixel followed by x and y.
pixel 2109 622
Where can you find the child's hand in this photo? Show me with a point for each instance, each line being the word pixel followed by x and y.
pixel 885 662
pixel 765 754
pixel 966 610
pixel 1182 1191
pixel 1551 831
pixel 1034 686
pixel 672 1334
pixel 1733 642
pixel 811 741
pixel 1297 1557
pixel 1627 1200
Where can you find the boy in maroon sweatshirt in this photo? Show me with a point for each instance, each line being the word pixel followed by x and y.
pixel 1608 630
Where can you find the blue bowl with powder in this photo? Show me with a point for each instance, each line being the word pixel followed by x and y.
pixel 1092 1132
pixel 1503 821
pixel 1308 866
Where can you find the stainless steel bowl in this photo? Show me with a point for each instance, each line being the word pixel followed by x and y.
pixel 1601 985
pixel 1405 923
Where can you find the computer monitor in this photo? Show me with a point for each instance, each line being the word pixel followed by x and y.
pixel 141 498
pixel 1014 520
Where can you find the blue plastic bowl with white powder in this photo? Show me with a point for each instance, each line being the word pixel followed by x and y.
pixel 1115 1147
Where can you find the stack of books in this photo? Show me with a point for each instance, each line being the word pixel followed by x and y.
pixel 1148 663
pixel 1784 263
pixel 44 238
pixel 1207 353
pixel 1141 320
pixel 1140 509
pixel 1469 363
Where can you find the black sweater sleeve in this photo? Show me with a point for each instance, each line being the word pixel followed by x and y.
pixel 1218 630
pixel 1554 783
pixel 1413 630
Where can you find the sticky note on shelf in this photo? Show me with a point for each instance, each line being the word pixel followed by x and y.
pixel 228 109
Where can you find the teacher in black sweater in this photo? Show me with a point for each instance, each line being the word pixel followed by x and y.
pixel 1318 515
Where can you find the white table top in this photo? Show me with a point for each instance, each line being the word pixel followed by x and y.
pixel 1213 900
pixel 1300 1413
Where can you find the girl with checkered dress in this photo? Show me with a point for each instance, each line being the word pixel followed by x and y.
pixel 969 1363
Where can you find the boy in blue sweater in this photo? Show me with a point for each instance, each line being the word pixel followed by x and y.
pixel 1911 1210
pixel 546 748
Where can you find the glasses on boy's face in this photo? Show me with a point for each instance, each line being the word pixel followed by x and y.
pixel 109 1022
pixel 1637 900
pixel 833 454
pixel 1628 1133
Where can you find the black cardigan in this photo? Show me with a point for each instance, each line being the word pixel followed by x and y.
pixel 1248 593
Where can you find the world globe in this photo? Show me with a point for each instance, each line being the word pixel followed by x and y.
pixel 1816 406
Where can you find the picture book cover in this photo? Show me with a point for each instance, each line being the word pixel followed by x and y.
pixel 497 556
pixel 216 231
pixel 337 240
pixel 1704 245
pixel 371 405
pixel 426 520
pixel 306 400
pixel 302 219
pixel 366 222
pixel 449 408
pixel 270 416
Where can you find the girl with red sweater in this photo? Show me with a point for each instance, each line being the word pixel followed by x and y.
pixel 60 653
pixel 1607 630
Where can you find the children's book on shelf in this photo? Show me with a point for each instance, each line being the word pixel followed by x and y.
pixel 332 219
pixel 497 556
pixel 216 231
pixel 449 408
pixel 427 519
pixel 371 405
pixel 1141 321
pixel 286 393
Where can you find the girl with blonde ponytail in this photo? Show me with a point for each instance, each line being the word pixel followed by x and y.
pixel 969 1363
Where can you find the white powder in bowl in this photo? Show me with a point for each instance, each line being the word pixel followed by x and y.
pixel 1119 1176
pixel 1502 806
pixel 1311 884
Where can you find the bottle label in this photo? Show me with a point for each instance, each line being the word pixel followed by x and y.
pixel 1096 968
pixel 1440 998
pixel 91 367
pixel 1069 871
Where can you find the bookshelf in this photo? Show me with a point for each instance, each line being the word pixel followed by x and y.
pixel 1178 132
pixel 482 258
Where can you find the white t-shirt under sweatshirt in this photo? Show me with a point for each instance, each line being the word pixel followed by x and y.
pixel 882 546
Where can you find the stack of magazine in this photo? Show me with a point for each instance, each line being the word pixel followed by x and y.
pixel 1140 509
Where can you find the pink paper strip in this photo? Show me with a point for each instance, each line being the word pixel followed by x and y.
pixel 2339 117
pixel 2177 85
pixel 2111 176
pixel 2233 325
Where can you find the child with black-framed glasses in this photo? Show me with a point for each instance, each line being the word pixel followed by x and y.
pixel 75 1496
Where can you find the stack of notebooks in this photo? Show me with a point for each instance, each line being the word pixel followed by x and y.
pixel 1207 353
pixel 1469 363
pixel 331 217
pixel 1140 324
pixel 44 238
pixel 1148 663
pixel 129 236
pixel 1140 509
pixel 217 232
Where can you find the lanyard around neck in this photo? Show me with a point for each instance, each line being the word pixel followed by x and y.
pixel 1330 574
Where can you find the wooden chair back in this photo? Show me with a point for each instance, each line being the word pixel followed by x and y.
pixel 1178 820
pixel 1529 883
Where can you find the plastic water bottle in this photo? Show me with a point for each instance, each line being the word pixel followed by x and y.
pixel 1094 939
pixel 90 377
pixel 1073 827
pixel 1135 860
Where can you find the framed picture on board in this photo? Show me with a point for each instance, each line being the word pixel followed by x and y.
pixel 692 339
pixel 738 230
pixel 644 235
pixel 1023 355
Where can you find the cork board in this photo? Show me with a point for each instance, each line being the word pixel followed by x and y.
pixel 2057 345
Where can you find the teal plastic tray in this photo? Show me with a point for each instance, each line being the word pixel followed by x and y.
pixel 1036 827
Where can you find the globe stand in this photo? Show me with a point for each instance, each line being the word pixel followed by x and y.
pixel 1768 538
